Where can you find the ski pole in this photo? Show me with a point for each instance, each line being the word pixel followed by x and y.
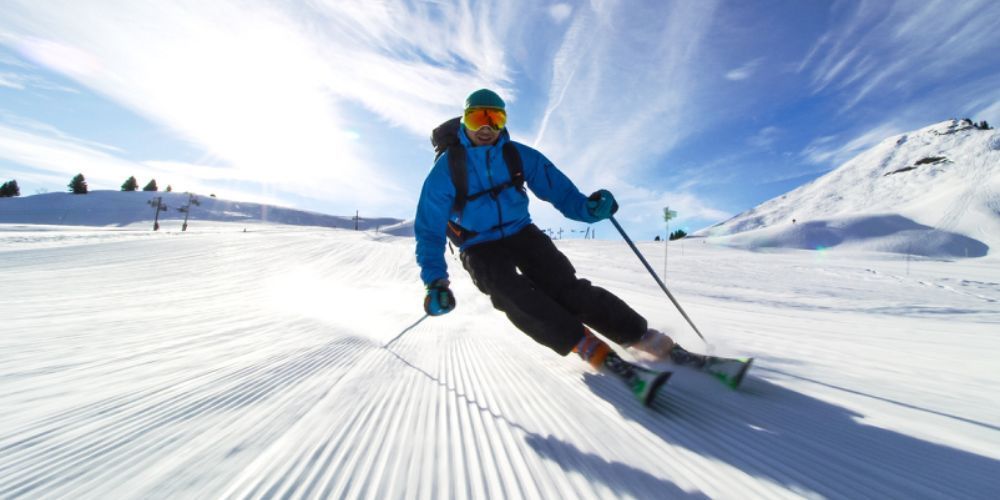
pixel 386 346
pixel 657 278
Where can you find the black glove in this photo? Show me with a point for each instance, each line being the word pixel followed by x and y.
pixel 439 299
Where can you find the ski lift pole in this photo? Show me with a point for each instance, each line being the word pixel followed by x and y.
pixel 657 278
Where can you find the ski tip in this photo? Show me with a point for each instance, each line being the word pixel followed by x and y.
pixel 654 387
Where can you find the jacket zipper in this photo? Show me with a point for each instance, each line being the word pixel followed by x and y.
pixel 496 197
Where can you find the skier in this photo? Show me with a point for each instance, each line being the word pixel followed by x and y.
pixel 514 262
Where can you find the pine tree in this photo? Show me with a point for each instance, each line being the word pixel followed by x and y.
pixel 130 184
pixel 678 234
pixel 151 186
pixel 169 188
pixel 10 189
pixel 78 185
pixel 983 125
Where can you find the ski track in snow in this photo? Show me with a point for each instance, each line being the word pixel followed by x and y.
pixel 227 364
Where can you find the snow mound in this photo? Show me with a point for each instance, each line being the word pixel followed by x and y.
pixel 932 192
pixel 882 233
pixel 116 208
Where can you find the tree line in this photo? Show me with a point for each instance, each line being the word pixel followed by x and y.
pixel 10 189
pixel 79 185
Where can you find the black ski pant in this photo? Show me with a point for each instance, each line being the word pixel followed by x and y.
pixel 531 281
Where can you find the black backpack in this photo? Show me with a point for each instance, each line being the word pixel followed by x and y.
pixel 445 138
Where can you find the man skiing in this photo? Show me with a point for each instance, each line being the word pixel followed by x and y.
pixel 514 262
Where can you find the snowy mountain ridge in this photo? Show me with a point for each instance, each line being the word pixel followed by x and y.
pixel 116 208
pixel 933 191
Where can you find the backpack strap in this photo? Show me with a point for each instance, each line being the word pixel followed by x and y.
pixel 459 176
pixel 514 165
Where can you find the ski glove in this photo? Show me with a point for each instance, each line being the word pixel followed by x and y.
pixel 601 205
pixel 439 299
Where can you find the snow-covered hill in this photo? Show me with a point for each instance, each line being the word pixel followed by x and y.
pixel 115 208
pixel 933 192
pixel 222 364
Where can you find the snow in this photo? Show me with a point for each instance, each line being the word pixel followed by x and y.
pixel 223 363
pixel 247 356
pixel 934 192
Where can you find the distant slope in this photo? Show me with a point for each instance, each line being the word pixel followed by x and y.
pixel 404 228
pixel 934 192
pixel 115 208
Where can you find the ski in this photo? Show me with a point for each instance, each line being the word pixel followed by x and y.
pixel 644 383
pixel 647 383
pixel 729 371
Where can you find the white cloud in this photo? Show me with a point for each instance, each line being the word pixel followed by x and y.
pixel 829 151
pixel 266 87
pixel 12 81
pixel 764 138
pixel 20 81
pixel 743 72
pixel 878 48
pixel 619 99
pixel 990 113
pixel 41 129
pixel 560 12
pixel 52 157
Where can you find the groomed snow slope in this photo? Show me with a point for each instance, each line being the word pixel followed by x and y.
pixel 217 363
pixel 933 192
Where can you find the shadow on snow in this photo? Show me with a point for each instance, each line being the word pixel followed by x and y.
pixel 801 442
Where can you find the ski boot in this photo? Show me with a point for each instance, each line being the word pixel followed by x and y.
pixel 644 383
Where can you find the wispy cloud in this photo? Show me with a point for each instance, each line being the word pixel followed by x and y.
pixel 48 156
pixel 606 122
pixel 745 71
pixel 764 138
pixel 877 48
pixel 560 12
pixel 11 80
pixel 40 129
pixel 268 88
pixel 23 81
pixel 832 151
pixel 271 90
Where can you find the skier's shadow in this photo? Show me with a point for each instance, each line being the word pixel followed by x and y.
pixel 801 442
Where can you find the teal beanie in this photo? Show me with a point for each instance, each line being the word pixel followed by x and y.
pixel 484 98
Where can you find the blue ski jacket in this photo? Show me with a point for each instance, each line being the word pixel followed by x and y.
pixel 492 217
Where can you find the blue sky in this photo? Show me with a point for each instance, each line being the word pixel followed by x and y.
pixel 709 107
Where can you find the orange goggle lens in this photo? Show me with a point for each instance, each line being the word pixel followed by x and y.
pixel 476 118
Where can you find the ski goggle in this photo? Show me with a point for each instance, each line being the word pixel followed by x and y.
pixel 476 118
